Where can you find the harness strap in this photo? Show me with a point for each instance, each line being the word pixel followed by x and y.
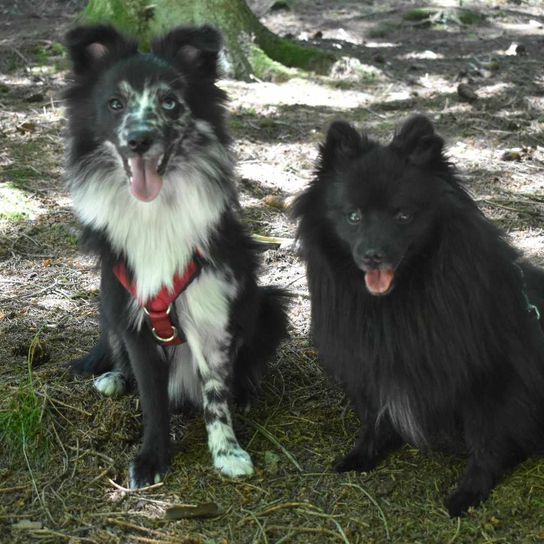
pixel 158 309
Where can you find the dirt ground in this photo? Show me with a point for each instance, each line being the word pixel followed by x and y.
pixel 65 450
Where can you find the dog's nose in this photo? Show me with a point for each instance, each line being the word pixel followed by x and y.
pixel 140 141
pixel 373 256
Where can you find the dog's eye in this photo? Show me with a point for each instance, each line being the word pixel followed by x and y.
pixel 403 217
pixel 168 103
pixel 353 217
pixel 115 104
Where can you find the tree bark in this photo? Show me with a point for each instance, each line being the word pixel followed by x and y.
pixel 246 39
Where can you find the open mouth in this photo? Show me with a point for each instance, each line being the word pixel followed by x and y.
pixel 146 175
pixel 379 281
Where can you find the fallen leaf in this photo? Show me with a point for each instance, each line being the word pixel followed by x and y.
pixel 186 511
pixel 275 201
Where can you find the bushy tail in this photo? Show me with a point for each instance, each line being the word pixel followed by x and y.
pixel 271 329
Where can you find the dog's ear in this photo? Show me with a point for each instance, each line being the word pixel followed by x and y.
pixel 342 142
pixel 418 141
pixel 192 49
pixel 90 46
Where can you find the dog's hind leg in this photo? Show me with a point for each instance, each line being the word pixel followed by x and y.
pixel 108 362
pixel 97 361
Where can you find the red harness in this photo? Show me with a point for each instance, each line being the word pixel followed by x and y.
pixel 159 307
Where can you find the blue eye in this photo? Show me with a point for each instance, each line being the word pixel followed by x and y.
pixel 353 217
pixel 403 217
pixel 115 104
pixel 169 103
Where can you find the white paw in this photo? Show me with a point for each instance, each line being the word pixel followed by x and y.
pixel 111 384
pixel 234 463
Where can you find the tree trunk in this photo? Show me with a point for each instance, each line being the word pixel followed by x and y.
pixel 249 45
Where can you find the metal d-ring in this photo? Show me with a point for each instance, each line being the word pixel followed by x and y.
pixel 165 340
pixel 167 311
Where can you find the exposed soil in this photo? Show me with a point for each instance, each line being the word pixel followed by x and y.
pixel 61 484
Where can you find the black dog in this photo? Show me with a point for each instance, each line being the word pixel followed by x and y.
pixel 421 308
pixel 151 178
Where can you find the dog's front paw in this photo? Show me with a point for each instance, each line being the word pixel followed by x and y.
pixel 461 500
pixel 234 463
pixel 355 460
pixel 144 471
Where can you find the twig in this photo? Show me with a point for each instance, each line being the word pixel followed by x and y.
pixel 134 527
pixel 456 534
pixel 12 489
pixel 375 503
pixel 284 505
pixel 127 490
pixel 70 538
pixel 63 404
pixel 274 440
pixel 309 530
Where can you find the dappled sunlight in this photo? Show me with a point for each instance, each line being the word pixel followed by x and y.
pixel 17 205
pixel 427 54
pixel 296 91
pixel 531 242
pixel 393 62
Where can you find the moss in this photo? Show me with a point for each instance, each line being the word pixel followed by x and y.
pixel 267 69
pixel 383 29
pixel 418 14
pixel 468 17
pixel 240 27
pixel 22 431
pixel 444 16
pixel 293 54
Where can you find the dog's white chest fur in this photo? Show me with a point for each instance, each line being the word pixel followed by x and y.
pixel 158 237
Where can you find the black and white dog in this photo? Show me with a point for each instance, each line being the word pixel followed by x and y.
pixel 151 178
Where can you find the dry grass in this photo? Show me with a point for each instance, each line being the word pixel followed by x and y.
pixel 67 483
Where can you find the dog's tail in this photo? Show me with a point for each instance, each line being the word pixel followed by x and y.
pixel 270 330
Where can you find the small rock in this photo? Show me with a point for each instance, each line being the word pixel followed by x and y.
pixel 516 50
pixel 34 97
pixel 511 155
pixel 466 92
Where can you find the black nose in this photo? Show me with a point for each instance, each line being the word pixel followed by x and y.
pixel 373 256
pixel 140 141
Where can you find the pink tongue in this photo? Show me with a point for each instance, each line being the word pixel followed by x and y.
pixel 146 184
pixel 378 282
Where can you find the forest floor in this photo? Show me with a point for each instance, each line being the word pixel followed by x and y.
pixel 64 450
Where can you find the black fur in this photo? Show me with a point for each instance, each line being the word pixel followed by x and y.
pixel 183 66
pixel 420 307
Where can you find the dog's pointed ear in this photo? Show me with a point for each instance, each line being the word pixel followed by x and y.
pixel 193 49
pixel 342 142
pixel 89 46
pixel 418 141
